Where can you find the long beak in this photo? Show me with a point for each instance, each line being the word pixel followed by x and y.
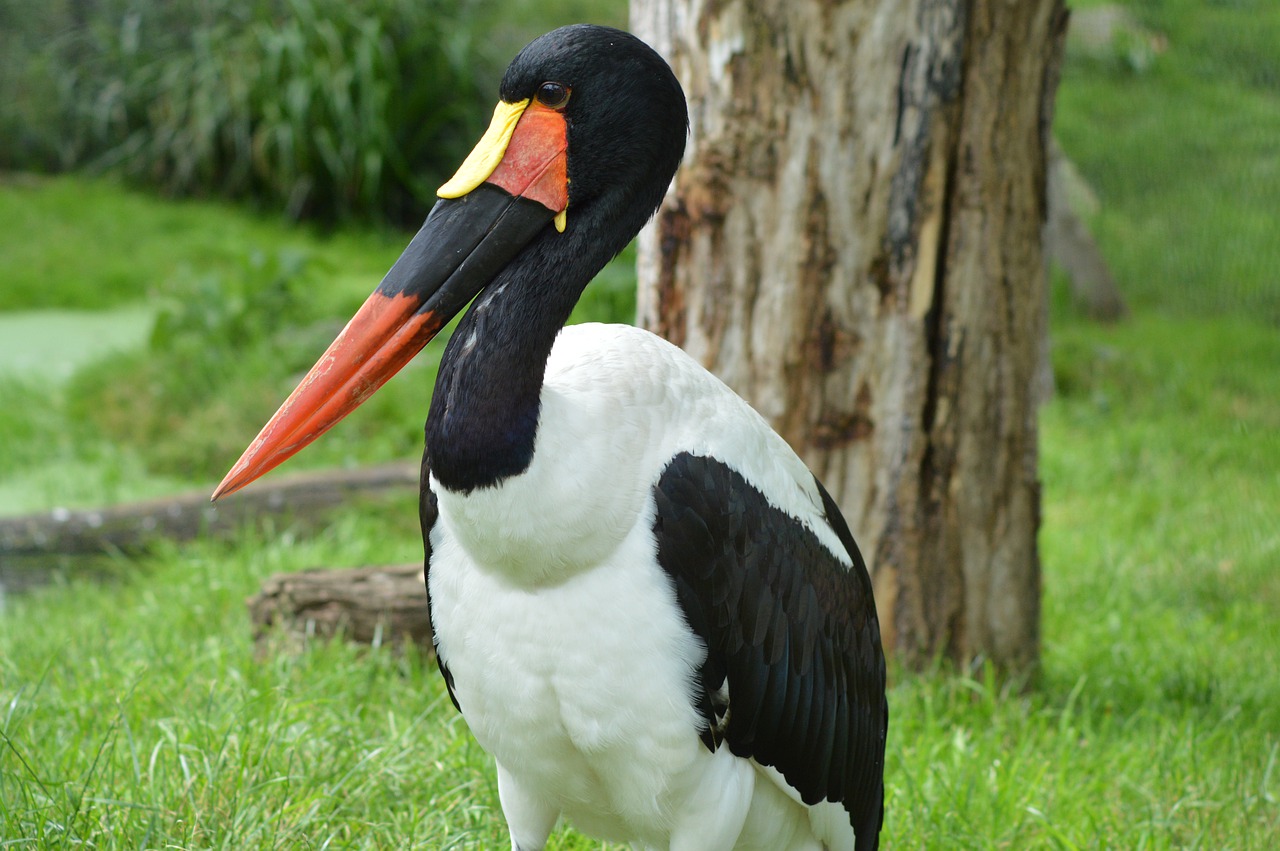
pixel 511 187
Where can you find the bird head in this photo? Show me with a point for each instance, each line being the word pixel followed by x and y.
pixel 625 116
pixel 587 134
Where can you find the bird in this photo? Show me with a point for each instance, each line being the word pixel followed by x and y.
pixel 647 609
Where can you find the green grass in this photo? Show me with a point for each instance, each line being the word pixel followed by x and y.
pixel 136 714
pixel 1185 157
pixel 83 244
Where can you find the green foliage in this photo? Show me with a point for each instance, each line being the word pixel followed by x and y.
pixel 213 312
pixel 224 354
pixel 330 109
pixel 611 297
pixel 323 108
pixel 169 401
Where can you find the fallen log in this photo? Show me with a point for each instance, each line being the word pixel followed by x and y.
pixel 130 528
pixel 378 605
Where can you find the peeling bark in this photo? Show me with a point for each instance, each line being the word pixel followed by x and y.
pixel 853 244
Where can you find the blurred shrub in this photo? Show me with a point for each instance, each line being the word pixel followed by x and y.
pixel 223 348
pixel 325 108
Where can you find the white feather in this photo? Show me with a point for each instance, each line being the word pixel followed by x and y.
pixel 571 659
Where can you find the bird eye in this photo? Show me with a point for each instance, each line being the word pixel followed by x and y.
pixel 553 95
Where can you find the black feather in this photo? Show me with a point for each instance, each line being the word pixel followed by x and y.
pixel 791 628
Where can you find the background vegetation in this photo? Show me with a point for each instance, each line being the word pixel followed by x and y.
pixel 1174 123
pixel 136 713
pixel 326 109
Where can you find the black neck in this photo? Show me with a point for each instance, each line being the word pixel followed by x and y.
pixel 483 421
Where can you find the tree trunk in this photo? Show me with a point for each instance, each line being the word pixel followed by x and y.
pixel 853 244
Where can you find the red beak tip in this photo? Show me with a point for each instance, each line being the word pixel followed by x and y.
pixel 232 482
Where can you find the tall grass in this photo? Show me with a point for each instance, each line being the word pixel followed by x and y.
pixel 330 109
pixel 324 108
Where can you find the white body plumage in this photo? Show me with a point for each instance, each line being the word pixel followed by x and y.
pixel 571 660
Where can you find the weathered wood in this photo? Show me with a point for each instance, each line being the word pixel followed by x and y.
pixel 129 528
pixel 853 243
pixel 379 605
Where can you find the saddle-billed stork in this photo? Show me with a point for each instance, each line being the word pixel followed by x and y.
pixel 645 606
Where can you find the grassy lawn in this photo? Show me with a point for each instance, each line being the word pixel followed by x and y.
pixel 85 245
pixel 138 714
pixel 1182 145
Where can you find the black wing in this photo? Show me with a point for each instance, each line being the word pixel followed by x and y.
pixel 428 511
pixel 792 631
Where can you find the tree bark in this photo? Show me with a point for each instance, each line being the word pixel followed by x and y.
pixel 853 244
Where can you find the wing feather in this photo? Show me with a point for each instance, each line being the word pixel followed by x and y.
pixel 789 625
